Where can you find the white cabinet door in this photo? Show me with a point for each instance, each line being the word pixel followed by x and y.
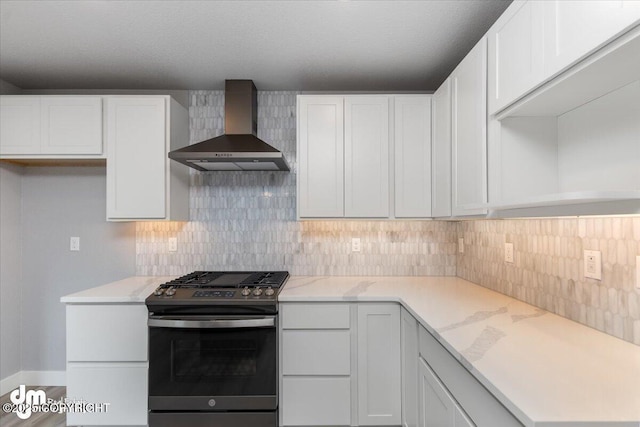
pixel 19 124
pixel 574 29
pixel 316 352
pixel 437 408
pixel 441 166
pixel 409 339
pixel 366 158
pixel 107 333
pixel 515 53
pixel 469 132
pixel 122 385
pixel 136 157
pixel 71 124
pixel 461 419
pixel 412 156
pixel 320 156
pixel 316 401
pixel 379 372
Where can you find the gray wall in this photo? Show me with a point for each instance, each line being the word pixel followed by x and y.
pixel 10 259
pixel 10 268
pixel 57 203
pixel 7 88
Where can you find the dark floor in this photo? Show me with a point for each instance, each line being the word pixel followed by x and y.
pixel 36 419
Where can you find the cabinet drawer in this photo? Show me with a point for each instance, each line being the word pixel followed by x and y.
pixel 315 316
pixel 122 385
pixel 316 352
pixel 316 401
pixel 113 333
pixel 481 406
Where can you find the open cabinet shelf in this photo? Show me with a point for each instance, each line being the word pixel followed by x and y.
pixel 575 141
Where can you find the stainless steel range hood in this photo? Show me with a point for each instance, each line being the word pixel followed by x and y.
pixel 239 148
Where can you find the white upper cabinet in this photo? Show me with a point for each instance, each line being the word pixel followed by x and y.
pixel 366 156
pixel 19 124
pixel 412 141
pixel 142 183
pixel 441 161
pixel 356 151
pixel 51 126
pixel 574 29
pixel 71 125
pixel 469 132
pixel 515 53
pixel 320 156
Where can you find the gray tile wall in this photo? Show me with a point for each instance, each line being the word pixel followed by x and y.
pixel 247 220
pixel 548 268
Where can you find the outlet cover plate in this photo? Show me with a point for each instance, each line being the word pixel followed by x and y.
pixel 173 244
pixel 461 245
pixel 74 244
pixel 355 244
pixel 508 252
pixel 593 264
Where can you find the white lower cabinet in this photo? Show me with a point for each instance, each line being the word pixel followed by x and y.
pixel 437 406
pixel 122 385
pixel 316 401
pixel 340 364
pixel 409 340
pixel 107 362
pixel 449 395
pixel 379 380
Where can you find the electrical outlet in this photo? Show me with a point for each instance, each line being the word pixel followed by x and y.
pixel 74 244
pixel 173 244
pixel 508 252
pixel 638 272
pixel 355 244
pixel 593 264
pixel 461 245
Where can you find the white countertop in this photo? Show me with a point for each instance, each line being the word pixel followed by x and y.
pixel 547 370
pixel 130 290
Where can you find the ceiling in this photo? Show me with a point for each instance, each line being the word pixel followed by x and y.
pixel 282 45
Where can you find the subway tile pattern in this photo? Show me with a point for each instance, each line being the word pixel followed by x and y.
pixel 548 267
pixel 247 220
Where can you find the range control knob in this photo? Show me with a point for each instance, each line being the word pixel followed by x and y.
pixel 269 291
pixel 246 291
pixel 257 292
pixel 170 292
pixel 158 292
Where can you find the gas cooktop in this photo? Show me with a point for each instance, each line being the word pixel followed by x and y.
pixel 221 288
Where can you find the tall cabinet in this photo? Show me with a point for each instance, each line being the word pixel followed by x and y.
pixel 441 149
pixel 469 133
pixel 142 183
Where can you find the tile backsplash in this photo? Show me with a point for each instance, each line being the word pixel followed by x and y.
pixel 247 220
pixel 548 267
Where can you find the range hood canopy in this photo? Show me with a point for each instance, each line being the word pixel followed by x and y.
pixel 239 148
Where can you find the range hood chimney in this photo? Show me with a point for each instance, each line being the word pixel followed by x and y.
pixel 239 149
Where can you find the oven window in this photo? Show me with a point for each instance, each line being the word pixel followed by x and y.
pixel 192 360
pixel 213 362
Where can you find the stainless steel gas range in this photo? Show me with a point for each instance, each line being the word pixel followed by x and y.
pixel 213 350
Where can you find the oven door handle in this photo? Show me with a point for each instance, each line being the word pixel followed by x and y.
pixel 264 322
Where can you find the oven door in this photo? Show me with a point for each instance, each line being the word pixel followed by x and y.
pixel 208 363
